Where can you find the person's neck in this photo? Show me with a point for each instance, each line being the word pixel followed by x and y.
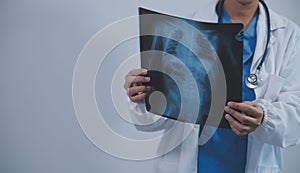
pixel 241 11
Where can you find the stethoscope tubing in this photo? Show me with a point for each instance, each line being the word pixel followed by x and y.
pixel 252 80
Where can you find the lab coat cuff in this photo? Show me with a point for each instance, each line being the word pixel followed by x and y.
pixel 137 108
pixel 266 117
pixel 261 132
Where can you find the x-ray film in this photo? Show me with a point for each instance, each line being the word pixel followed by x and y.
pixel 195 67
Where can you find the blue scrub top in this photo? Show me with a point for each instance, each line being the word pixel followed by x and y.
pixel 226 152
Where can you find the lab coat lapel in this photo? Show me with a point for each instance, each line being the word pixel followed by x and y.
pixel 262 35
pixel 261 38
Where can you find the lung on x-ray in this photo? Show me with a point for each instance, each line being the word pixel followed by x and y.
pixel 195 67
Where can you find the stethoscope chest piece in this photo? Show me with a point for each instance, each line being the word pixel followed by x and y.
pixel 252 81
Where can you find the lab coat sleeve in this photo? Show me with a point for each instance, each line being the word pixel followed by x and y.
pixel 281 123
pixel 142 117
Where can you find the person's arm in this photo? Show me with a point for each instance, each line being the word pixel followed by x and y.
pixel 276 118
pixel 137 91
pixel 281 124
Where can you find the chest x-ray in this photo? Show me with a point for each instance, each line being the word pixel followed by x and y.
pixel 195 67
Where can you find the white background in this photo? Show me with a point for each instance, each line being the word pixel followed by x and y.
pixel 40 41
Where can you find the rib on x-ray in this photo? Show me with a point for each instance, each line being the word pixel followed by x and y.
pixel 192 66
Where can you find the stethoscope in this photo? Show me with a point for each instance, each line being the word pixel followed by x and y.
pixel 252 79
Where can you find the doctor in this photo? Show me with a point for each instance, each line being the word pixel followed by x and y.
pixel 270 117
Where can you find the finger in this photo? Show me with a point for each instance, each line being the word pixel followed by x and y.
pixel 242 118
pixel 138 97
pixel 133 76
pixel 237 127
pixel 239 133
pixel 244 107
pixel 251 103
pixel 132 91
pixel 137 72
pixel 254 104
pixel 137 80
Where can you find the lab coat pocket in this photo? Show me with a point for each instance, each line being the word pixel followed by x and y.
pixel 272 87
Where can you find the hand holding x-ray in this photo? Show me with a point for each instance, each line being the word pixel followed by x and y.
pixel 247 121
pixel 134 85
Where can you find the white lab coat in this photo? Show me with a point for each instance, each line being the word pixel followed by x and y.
pixel 278 95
